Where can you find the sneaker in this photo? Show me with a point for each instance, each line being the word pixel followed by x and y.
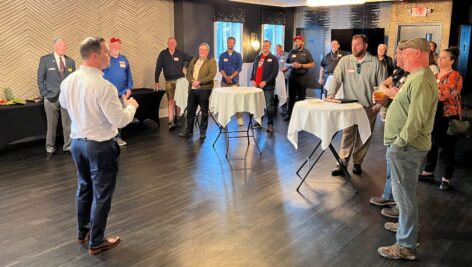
pixel 120 141
pixel 356 169
pixel 270 128
pixel 256 125
pixel 392 212
pixel 397 252
pixel 172 125
pixel 444 186
pixel 391 226
pixel 240 121
pixel 338 171
pixel 380 201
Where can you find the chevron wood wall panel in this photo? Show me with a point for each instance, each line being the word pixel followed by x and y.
pixel 27 28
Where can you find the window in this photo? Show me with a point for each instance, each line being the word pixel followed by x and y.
pixel 273 33
pixel 223 30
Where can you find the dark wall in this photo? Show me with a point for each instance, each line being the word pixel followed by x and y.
pixel 461 14
pixel 193 24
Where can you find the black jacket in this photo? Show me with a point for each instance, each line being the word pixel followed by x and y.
pixel 269 71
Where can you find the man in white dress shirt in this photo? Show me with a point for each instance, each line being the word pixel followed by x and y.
pixel 96 114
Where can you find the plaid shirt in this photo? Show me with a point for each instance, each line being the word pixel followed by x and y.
pixel 450 86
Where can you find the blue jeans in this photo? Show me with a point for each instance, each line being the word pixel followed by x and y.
pixel 387 194
pixel 270 108
pixel 405 164
pixel 97 167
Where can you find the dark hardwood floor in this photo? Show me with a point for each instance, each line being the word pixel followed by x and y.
pixel 180 202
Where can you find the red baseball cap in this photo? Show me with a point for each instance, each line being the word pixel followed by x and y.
pixel 299 37
pixel 115 39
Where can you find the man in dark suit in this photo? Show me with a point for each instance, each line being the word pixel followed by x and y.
pixel 264 72
pixel 53 68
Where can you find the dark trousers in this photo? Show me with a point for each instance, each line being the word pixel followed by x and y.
pixel 270 105
pixel 97 167
pixel 197 97
pixel 296 89
pixel 443 145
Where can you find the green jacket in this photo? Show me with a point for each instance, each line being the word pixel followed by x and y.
pixel 410 117
pixel 206 74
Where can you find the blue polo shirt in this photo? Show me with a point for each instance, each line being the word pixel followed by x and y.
pixel 230 64
pixel 119 74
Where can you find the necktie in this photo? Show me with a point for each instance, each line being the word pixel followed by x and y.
pixel 61 67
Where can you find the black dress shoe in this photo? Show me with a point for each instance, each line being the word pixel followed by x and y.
pixel 426 178
pixel 338 171
pixel 49 155
pixel 357 169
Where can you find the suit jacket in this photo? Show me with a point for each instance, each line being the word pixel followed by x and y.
pixel 206 75
pixel 270 70
pixel 49 77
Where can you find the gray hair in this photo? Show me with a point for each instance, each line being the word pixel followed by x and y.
pixel 205 44
pixel 57 39
pixel 90 45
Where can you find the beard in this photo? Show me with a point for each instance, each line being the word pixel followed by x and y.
pixel 358 53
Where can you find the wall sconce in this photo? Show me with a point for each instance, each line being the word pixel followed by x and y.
pixel 255 44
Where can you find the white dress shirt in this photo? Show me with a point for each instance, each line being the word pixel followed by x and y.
pixel 93 105
pixel 58 59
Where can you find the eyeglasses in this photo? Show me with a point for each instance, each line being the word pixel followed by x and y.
pixel 358 68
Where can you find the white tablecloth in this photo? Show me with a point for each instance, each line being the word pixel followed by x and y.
pixel 324 119
pixel 181 94
pixel 227 101
pixel 340 93
pixel 280 88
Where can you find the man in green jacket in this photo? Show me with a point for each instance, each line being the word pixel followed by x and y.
pixel 200 75
pixel 408 127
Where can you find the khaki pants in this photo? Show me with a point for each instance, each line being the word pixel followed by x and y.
pixel 351 143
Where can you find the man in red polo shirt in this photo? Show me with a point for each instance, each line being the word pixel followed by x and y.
pixel 264 72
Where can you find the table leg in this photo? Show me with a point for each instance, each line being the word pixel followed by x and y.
pixel 308 158
pixel 343 167
pixel 311 167
pixel 253 135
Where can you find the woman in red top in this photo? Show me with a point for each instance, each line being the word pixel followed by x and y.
pixel 449 107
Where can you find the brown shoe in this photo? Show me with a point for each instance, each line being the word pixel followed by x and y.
pixel 108 243
pixel 83 240
pixel 397 252
pixel 392 212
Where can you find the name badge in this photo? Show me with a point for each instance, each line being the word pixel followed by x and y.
pixel 52 69
pixel 176 59
pixel 269 60
pixel 122 64
pixel 294 55
pixel 351 70
pixel 225 59
pixel 69 69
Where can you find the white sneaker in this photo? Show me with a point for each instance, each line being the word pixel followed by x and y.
pixel 120 141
